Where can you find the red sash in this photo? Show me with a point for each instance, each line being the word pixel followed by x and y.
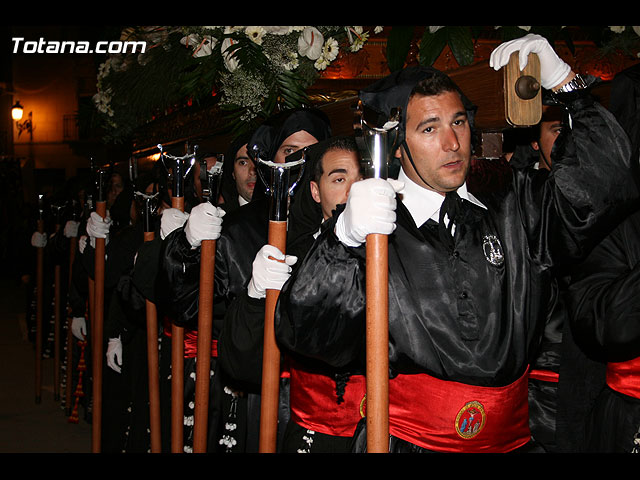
pixel 544 375
pixel 314 402
pixel 448 416
pixel 624 377
pixel 190 340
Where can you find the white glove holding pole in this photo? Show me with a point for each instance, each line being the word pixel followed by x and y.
pixel 71 229
pixel 171 219
pixel 82 243
pixel 371 208
pixel 114 354
pixel 79 328
pixel 39 240
pixel 204 223
pixel 553 70
pixel 271 269
pixel 98 227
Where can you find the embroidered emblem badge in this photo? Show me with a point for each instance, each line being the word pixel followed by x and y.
pixel 492 249
pixel 470 420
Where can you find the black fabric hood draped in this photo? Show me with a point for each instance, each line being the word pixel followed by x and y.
pixel 394 91
pixel 269 136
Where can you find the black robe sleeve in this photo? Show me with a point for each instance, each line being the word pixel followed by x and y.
pixel 604 301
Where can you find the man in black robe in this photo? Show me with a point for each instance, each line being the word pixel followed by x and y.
pixel 467 304
pixel 244 234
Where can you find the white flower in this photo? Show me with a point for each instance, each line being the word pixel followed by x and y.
pixel 526 29
pixel 321 64
pixel 256 34
pixel 310 43
pixel 617 29
pixel 330 49
pixel 230 60
pixel 378 29
pixel 202 46
pixel 636 29
pixel 293 62
pixel 274 30
pixel 435 29
pixel 357 38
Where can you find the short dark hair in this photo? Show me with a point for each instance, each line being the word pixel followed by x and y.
pixel 434 84
pixel 334 143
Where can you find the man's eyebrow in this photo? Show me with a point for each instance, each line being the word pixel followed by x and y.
pixel 337 170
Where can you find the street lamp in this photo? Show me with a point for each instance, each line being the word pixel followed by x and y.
pixel 17 112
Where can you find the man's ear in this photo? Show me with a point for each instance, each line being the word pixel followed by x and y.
pixel 315 191
pixel 535 145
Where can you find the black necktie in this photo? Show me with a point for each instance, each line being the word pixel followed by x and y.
pixel 451 208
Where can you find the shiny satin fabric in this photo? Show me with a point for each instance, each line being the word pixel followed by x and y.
pixel 458 316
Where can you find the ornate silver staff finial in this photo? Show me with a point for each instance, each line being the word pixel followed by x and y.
pixel 375 136
pixel 279 181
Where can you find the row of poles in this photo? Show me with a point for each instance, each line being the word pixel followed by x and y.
pixel 374 142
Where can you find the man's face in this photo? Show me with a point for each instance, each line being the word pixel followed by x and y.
pixel 550 128
pixel 340 168
pixel 439 139
pixel 293 143
pixel 116 185
pixel 244 173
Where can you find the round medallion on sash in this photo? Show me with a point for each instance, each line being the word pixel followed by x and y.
pixel 470 420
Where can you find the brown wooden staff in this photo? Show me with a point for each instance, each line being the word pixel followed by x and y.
pixel 148 206
pixel 57 211
pixel 205 316
pixel 280 188
pixel 39 301
pixel 73 245
pixel 179 171
pixel 98 318
pixel 374 144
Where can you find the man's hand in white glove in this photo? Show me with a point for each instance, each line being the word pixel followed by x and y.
pixel 98 227
pixel 171 219
pixel 71 229
pixel 114 354
pixel 371 208
pixel 82 243
pixel 79 328
pixel 39 240
pixel 271 269
pixel 553 70
pixel 204 223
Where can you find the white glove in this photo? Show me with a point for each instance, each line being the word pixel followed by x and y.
pixel 371 208
pixel 79 328
pixel 553 70
pixel 39 240
pixel 71 229
pixel 114 354
pixel 98 227
pixel 204 223
pixel 269 273
pixel 171 219
pixel 82 243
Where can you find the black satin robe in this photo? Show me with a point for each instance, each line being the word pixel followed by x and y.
pixel 454 315
pixel 604 306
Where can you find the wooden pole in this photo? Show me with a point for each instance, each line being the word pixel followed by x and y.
pixel 73 244
pixel 153 367
pixel 98 326
pixel 377 343
pixel 177 373
pixel 374 142
pixel 39 305
pixel 213 178
pixel 56 321
pixel 270 393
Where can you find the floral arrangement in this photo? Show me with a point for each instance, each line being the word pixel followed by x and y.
pixel 250 71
